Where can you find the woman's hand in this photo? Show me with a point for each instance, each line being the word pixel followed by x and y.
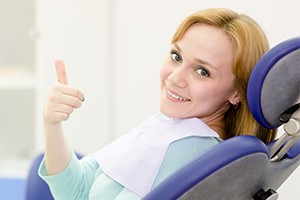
pixel 63 98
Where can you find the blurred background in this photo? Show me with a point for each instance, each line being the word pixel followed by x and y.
pixel 113 50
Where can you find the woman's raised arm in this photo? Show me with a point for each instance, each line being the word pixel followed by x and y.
pixel 62 101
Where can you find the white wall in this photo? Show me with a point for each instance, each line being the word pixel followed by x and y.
pixel 113 50
pixel 79 33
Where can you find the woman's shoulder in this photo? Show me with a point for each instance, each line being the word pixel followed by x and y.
pixel 195 143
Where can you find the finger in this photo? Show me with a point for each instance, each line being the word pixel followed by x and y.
pixel 57 117
pixel 55 113
pixel 68 90
pixel 61 108
pixel 71 101
pixel 61 72
pixel 56 99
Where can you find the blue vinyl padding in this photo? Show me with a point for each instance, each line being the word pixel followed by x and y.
pixel 36 187
pixel 12 188
pixel 226 152
pixel 294 150
pixel 259 73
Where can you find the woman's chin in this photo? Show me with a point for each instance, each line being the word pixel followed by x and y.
pixel 171 114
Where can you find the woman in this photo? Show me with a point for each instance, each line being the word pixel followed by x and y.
pixel 203 101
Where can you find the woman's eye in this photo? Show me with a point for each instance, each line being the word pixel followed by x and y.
pixel 176 56
pixel 202 71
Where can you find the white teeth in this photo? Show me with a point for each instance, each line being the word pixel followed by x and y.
pixel 176 97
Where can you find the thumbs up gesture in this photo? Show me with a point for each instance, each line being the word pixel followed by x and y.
pixel 63 98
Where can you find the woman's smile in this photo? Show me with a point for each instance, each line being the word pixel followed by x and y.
pixel 175 97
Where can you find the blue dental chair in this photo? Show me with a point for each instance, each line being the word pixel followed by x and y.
pixel 243 167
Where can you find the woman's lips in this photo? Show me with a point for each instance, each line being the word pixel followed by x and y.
pixel 176 97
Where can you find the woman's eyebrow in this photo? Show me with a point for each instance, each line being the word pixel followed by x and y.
pixel 206 63
pixel 176 47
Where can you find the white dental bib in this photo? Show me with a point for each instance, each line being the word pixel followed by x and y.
pixel 134 159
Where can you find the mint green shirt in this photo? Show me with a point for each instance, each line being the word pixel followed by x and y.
pixel 84 180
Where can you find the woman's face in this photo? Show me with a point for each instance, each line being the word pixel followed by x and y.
pixel 196 78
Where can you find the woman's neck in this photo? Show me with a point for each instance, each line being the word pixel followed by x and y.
pixel 217 124
pixel 219 129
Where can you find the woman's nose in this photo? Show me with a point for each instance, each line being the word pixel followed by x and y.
pixel 178 77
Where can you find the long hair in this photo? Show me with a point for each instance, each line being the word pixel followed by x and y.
pixel 250 44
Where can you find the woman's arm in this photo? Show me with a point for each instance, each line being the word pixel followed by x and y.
pixel 75 181
pixel 61 103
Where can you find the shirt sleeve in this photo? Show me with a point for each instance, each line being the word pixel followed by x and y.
pixel 75 181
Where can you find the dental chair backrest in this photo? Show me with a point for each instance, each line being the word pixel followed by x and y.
pixel 243 167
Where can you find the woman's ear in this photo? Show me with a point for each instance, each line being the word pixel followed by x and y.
pixel 234 98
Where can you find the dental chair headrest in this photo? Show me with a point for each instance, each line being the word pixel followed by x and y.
pixel 274 85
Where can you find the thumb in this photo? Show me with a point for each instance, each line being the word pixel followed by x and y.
pixel 61 73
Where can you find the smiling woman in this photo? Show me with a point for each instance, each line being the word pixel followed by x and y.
pixel 199 82
pixel 203 84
